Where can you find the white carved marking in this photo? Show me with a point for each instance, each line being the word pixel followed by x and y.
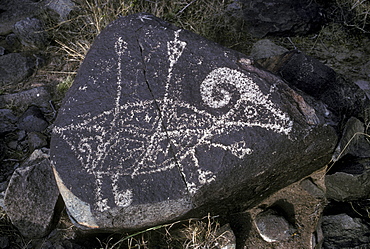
pixel 134 131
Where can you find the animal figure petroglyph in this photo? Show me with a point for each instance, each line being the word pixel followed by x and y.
pixel 144 137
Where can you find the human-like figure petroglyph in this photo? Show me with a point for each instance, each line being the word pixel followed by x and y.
pixel 98 140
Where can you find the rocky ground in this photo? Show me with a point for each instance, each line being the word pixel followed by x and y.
pixel 34 76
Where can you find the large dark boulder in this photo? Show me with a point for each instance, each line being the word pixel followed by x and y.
pixel 161 124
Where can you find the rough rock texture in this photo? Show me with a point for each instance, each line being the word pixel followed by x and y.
pixel 342 97
pixel 8 121
pixel 161 123
pixel 265 48
pixel 349 177
pixel 61 7
pixel 38 96
pixel 30 31
pixel 31 197
pixel 32 120
pixel 344 231
pixel 13 11
pixel 290 218
pixel 277 17
pixel 14 68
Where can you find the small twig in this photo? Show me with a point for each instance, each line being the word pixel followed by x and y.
pixel 183 9
pixel 291 42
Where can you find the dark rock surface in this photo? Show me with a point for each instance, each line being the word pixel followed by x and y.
pixel 349 177
pixel 13 11
pixel 265 48
pixel 31 197
pixel 344 231
pixel 161 122
pixel 8 121
pixel 14 68
pixel 32 120
pixel 30 31
pixel 342 97
pixel 38 96
pixel 36 140
pixel 277 17
pixel 61 7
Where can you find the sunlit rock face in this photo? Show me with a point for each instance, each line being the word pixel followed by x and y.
pixel 161 124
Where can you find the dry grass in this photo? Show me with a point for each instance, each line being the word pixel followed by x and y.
pixel 205 17
pixel 355 13
pixel 191 234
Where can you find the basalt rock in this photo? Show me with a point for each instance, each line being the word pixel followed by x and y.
pixel 32 120
pixel 342 97
pixel 161 124
pixel 31 199
pixel 30 31
pixel 277 17
pixel 12 11
pixel 14 68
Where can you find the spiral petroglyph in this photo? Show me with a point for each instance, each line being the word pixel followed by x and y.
pixel 162 134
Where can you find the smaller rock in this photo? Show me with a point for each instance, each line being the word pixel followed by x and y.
pixel 2 51
pixel 265 49
pixel 343 231
pixel 350 180
pixel 7 121
pixel 61 7
pixel 12 11
pixel 365 86
pixel 4 242
pixel 38 96
pixel 30 32
pixel 226 238
pixel 273 226
pixel 341 96
pixel 353 141
pixel 36 140
pixel 32 120
pixel 277 17
pixel 14 68
pixel 12 42
pixel 31 197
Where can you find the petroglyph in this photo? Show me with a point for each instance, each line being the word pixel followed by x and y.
pixel 136 138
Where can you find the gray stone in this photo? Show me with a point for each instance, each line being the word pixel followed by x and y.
pixel 32 120
pixel 30 32
pixel 349 179
pixel 162 124
pixel 273 226
pixel 343 231
pixel 38 96
pixel 61 7
pixel 31 197
pixel 365 86
pixel 36 140
pixel 8 121
pixel 13 11
pixel 4 242
pixel 353 142
pixel 265 49
pixel 277 17
pixel 14 68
